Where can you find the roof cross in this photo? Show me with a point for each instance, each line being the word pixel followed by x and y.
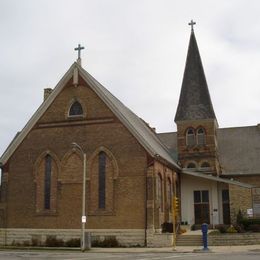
pixel 79 48
pixel 191 24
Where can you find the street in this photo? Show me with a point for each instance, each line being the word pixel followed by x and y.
pixel 42 255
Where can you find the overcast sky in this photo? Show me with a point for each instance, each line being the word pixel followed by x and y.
pixel 136 49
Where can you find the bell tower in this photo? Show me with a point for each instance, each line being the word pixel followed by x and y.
pixel 195 117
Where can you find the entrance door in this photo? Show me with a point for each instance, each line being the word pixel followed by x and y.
pixel 201 206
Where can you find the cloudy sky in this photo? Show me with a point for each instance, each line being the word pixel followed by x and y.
pixel 136 49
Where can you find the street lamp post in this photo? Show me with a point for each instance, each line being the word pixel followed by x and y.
pixel 83 218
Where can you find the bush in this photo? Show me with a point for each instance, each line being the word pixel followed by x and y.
pixel 107 242
pixel 222 228
pixel 239 216
pixel 249 222
pixel 214 232
pixel 254 228
pixel 74 242
pixel 193 227
pixel 167 227
pixel 52 241
pixel 231 229
pixel 239 228
pixel 35 242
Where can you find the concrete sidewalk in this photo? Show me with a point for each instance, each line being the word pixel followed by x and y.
pixel 178 249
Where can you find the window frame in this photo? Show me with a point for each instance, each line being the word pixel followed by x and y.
pixel 75 115
pixel 201 137
pixel 190 142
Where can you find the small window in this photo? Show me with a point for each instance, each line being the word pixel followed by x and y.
pixel 201 136
pixel 191 165
pixel 76 109
pixel 190 137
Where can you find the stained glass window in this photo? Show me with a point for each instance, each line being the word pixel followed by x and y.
pixel 201 136
pixel 76 109
pixel 102 181
pixel 47 182
pixel 190 137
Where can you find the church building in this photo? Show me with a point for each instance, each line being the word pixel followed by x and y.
pixel 131 172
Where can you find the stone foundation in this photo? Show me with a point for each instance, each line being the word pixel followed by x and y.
pixel 125 237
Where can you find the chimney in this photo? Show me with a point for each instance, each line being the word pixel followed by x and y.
pixel 47 92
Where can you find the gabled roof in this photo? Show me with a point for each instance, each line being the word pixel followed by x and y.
pixel 195 102
pixel 138 128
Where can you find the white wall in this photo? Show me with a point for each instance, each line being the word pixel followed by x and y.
pixel 190 184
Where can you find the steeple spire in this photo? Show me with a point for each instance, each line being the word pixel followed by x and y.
pixel 195 102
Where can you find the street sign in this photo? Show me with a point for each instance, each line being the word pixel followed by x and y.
pixel 83 219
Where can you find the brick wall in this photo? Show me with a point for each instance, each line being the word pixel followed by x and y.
pixel 198 153
pixel 241 198
pixel 54 134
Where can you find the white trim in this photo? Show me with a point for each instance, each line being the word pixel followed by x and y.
pixel 216 178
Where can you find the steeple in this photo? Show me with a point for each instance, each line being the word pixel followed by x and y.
pixel 194 102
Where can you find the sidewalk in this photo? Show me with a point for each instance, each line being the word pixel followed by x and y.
pixel 178 249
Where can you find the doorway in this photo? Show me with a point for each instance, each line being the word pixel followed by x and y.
pixel 201 206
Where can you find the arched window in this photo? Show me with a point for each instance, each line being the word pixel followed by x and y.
pixel 205 165
pixel 102 173
pixel 191 165
pixel 46 170
pixel 47 182
pixel 160 191
pixel 201 136
pixel 102 180
pixel 169 193
pixel 76 109
pixel 190 137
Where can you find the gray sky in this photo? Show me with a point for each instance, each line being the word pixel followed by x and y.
pixel 136 49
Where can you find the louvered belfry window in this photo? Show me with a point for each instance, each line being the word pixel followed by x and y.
pixel 47 182
pixel 201 136
pixel 76 109
pixel 102 180
pixel 190 137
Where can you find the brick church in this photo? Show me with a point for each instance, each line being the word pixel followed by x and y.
pixel 132 172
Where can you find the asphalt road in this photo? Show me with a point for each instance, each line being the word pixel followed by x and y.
pixel 36 255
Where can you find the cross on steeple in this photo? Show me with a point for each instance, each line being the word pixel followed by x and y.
pixel 191 24
pixel 79 48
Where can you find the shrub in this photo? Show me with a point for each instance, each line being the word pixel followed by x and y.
pixel 239 228
pixel 231 229
pixel 193 227
pixel 74 242
pixel 222 228
pixel 167 227
pixel 248 222
pixel 35 242
pixel 239 216
pixel 214 232
pixel 52 241
pixel 110 241
pixel 26 243
pixel 254 228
